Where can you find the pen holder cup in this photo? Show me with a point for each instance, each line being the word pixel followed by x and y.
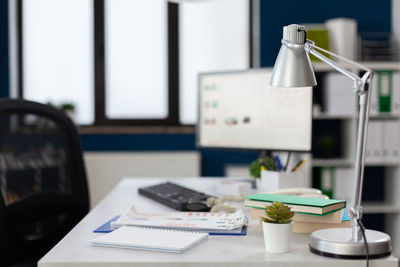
pixel 272 181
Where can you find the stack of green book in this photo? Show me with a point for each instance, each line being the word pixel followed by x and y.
pixel 311 213
pixel 306 205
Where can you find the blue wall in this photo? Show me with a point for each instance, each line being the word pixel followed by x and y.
pixel 371 15
pixel 138 142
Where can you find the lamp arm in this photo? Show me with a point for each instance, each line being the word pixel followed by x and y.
pixel 358 83
pixel 348 61
pixel 362 89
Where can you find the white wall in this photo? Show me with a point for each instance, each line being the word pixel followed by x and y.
pixel 105 169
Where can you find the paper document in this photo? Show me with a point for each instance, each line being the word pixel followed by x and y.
pixel 199 221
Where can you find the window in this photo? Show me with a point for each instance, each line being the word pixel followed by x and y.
pixel 57 62
pixel 214 36
pixel 124 62
pixel 136 59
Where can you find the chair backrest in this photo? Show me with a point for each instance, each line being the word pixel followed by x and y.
pixel 43 183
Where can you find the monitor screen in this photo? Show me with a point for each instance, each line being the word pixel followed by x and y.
pixel 241 110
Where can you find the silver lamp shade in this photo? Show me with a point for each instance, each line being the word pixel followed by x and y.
pixel 293 67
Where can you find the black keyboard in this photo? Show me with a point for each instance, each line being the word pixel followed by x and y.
pixel 176 197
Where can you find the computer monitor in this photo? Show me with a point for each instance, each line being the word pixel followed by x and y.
pixel 241 110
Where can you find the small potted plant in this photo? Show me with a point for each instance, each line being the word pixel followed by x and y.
pixel 262 163
pixel 266 163
pixel 277 227
pixel 69 109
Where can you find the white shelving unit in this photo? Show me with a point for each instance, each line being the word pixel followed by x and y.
pixel 380 208
pixel 339 162
pixel 390 206
pixel 324 116
pixel 384 117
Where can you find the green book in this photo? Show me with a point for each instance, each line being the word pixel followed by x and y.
pixel 319 34
pixel 308 205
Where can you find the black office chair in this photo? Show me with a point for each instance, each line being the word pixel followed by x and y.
pixel 44 191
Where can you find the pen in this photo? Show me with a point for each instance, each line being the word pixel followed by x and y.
pixel 278 163
pixel 298 165
pixel 287 161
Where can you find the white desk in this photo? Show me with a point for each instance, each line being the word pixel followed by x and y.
pixel 74 250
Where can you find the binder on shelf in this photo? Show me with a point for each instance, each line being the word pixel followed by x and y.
pixel 369 143
pixel 391 141
pixel 384 90
pixel 344 184
pixel 384 142
pixel 374 148
pixel 339 97
pixel 395 104
pixel 374 103
pixel 327 181
pixel 379 151
pixel 385 94
pixel 343 33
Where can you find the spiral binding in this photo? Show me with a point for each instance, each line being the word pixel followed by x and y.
pixel 164 229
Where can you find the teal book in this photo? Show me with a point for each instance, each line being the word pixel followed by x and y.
pixel 307 205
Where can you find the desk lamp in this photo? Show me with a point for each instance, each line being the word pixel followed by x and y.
pixel 293 68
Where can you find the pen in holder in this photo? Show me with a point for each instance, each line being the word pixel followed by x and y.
pixel 273 180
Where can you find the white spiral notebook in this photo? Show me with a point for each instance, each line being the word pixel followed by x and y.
pixel 150 239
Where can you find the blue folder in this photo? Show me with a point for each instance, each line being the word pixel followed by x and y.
pixel 106 228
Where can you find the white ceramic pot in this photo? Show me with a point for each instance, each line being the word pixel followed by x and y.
pixel 272 181
pixel 277 237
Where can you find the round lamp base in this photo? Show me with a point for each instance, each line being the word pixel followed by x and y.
pixel 337 243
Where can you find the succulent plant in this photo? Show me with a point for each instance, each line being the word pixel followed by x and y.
pixel 278 212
